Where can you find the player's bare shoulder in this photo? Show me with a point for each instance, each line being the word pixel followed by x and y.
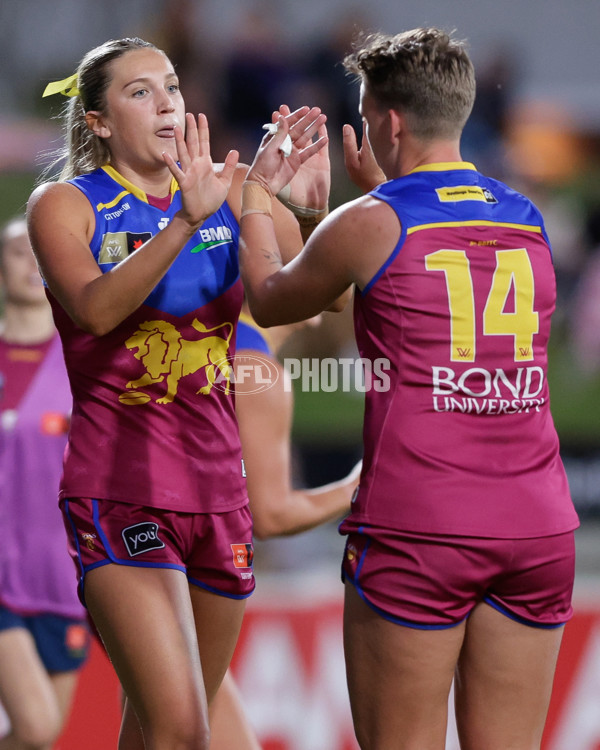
pixel 365 231
pixel 364 209
pixel 56 206
pixel 56 196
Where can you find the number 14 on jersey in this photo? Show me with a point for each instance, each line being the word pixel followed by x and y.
pixel 513 271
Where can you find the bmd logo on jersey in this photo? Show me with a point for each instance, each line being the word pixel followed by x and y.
pixel 141 538
pixel 116 246
pixel 212 237
pixel 243 555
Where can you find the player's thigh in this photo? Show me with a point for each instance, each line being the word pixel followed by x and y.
pixel 504 681
pixel 399 678
pixel 64 684
pixel 229 724
pixel 145 618
pixel 218 623
pixel 25 688
pixel 221 577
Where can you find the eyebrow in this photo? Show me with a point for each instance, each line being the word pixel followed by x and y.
pixel 146 80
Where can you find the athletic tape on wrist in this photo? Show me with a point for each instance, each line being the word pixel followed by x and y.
pixel 256 198
pixel 312 221
pixel 300 211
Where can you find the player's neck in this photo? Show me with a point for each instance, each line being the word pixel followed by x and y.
pixel 432 152
pixel 156 182
pixel 27 324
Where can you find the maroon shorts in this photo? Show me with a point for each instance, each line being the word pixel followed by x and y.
pixel 430 581
pixel 214 550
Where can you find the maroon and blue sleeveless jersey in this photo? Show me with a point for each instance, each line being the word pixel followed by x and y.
pixel 458 437
pixel 153 416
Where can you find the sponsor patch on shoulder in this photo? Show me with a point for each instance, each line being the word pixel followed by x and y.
pixel 465 193
pixel 142 537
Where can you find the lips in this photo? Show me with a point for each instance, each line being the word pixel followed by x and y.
pixel 166 132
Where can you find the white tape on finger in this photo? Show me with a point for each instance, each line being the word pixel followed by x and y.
pixel 286 146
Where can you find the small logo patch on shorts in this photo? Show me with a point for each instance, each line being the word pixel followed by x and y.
pixel 76 640
pixel 243 554
pixel 89 540
pixel 141 538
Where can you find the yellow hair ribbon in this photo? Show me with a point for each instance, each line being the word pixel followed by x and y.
pixel 68 87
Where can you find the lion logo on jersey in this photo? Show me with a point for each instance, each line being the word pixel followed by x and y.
pixel 168 357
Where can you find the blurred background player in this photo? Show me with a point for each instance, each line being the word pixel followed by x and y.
pixel 265 420
pixel 43 635
pixel 460 553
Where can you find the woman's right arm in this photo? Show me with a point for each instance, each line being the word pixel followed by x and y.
pixel 61 224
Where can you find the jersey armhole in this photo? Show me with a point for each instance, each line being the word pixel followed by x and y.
pixel 390 259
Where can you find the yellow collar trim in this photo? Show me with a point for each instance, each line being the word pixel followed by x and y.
pixel 444 166
pixel 131 188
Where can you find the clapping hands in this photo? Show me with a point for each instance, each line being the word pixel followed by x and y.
pixel 303 177
pixel 203 190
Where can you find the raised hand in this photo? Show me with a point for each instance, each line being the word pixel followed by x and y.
pixel 310 174
pixel 361 166
pixel 203 190
pixel 310 186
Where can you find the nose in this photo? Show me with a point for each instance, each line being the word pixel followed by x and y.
pixel 164 102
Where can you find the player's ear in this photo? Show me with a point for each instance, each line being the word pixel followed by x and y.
pixel 95 122
pixel 397 123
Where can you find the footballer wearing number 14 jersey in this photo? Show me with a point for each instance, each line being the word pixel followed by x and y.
pixel 459 558
pixel 462 310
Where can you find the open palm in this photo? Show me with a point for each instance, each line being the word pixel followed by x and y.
pixel 203 190
pixel 311 184
pixel 306 169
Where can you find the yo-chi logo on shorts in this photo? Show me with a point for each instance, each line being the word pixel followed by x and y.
pixel 243 555
pixel 142 537
pixel 167 357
